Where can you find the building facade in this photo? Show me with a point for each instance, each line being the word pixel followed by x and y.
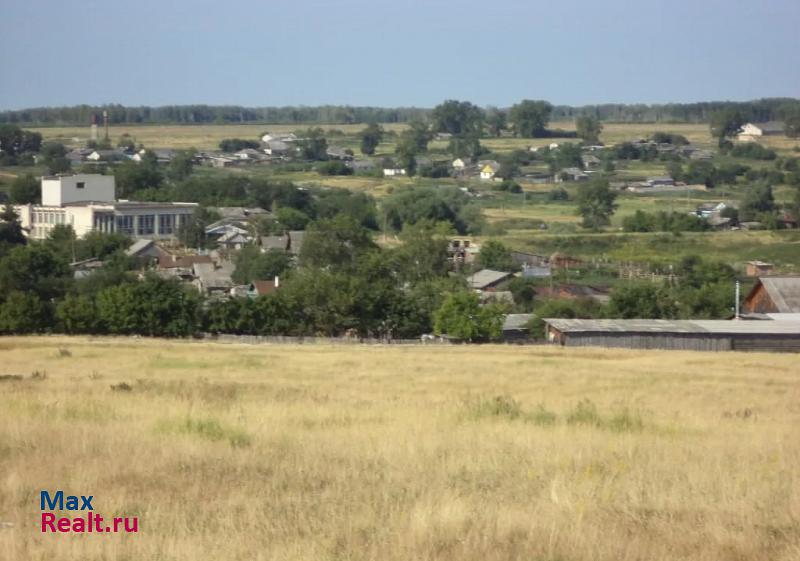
pixel 86 202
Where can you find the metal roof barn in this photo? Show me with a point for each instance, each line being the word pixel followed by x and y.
pixel 699 335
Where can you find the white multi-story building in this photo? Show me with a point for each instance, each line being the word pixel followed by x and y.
pixel 86 202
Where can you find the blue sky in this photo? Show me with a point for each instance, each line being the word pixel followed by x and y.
pixel 400 53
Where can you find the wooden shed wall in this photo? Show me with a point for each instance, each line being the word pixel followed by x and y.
pixel 670 341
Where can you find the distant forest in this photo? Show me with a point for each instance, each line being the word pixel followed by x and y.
pixel 757 110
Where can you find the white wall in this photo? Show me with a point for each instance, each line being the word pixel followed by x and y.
pixel 60 190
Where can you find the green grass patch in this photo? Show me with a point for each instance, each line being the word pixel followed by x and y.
pixel 206 429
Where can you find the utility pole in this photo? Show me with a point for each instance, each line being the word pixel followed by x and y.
pixel 736 306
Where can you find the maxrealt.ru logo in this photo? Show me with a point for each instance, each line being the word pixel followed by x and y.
pixel 91 522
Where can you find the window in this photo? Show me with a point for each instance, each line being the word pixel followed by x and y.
pixel 125 225
pixel 166 224
pixel 80 184
pixel 146 224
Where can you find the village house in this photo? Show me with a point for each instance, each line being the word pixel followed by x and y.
pixel 145 249
pixel 591 161
pixel 574 292
pixel 487 279
pixel 461 165
pixel 106 156
pixel 488 169
pixel 753 131
pixel 163 155
pixel 393 171
pixel 288 138
pixel 213 279
pixel 774 295
pixel 561 261
pixel 758 268
pixel 276 148
pixel 339 153
pixel 571 174
pixel 249 154
pixel 290 242
pixel 515 327
pixel 361 165
pixel 462 251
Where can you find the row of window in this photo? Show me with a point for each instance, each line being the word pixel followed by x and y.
pixel 49 218
pixel 146 224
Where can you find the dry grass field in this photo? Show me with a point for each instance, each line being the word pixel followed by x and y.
pixel 232 452
pixel 208 136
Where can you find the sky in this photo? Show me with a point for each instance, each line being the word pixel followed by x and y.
pixel 398 53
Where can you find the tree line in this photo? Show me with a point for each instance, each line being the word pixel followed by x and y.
pixel 700 112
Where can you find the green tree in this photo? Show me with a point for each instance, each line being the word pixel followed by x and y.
pixel 588 128
pixel 530 118
pixel 10 230
pixel 437 204
pixel 192 232
pixel 37 269
pixel 25 189
pixel 53 157
pixel 725 123
pixel 459 118
pixel 758 199
pixel 291 218
pixel 417 136
pixel 14 142
pixel 155 307
pixel 313 145
pixel 423 254
pixel 495 255
pixel 596 203
pixel 371 137
pixel 643 300
pixel 496 121
pixel 126 142
pixel 181 165
pixel 253 264
pixel 462 317
pixel 567 155
pixel 791 117
pixel 133 176
pixel 77 314
pixel 236 144
pixel 405 153
pixel 336 243
pixel 23 312
pixel 466 147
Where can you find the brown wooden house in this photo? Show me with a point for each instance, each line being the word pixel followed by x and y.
pixel 773 295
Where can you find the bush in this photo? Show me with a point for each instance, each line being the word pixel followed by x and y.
pixel 499 407
pixel 752 151
pixel 333 167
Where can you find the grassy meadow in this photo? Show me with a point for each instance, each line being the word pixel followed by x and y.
pixel 229 452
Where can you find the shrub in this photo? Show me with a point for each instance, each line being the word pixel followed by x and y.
pixel 584 413
pixel 501 406
pixel 541 416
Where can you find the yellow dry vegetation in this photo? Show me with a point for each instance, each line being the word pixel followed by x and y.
pixel 281 452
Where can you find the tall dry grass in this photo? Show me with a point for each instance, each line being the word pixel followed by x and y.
pixel 230 452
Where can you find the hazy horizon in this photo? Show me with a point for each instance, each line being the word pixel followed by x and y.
pixel 360 53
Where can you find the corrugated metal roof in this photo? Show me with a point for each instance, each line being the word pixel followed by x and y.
pixel 674 326
pixel 516 321
pixel 486 277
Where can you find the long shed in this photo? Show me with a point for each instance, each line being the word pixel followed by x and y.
pixel 695 335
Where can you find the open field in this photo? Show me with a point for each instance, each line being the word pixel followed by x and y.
pixel 202 137
pixel 209 136
pixel 323 452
